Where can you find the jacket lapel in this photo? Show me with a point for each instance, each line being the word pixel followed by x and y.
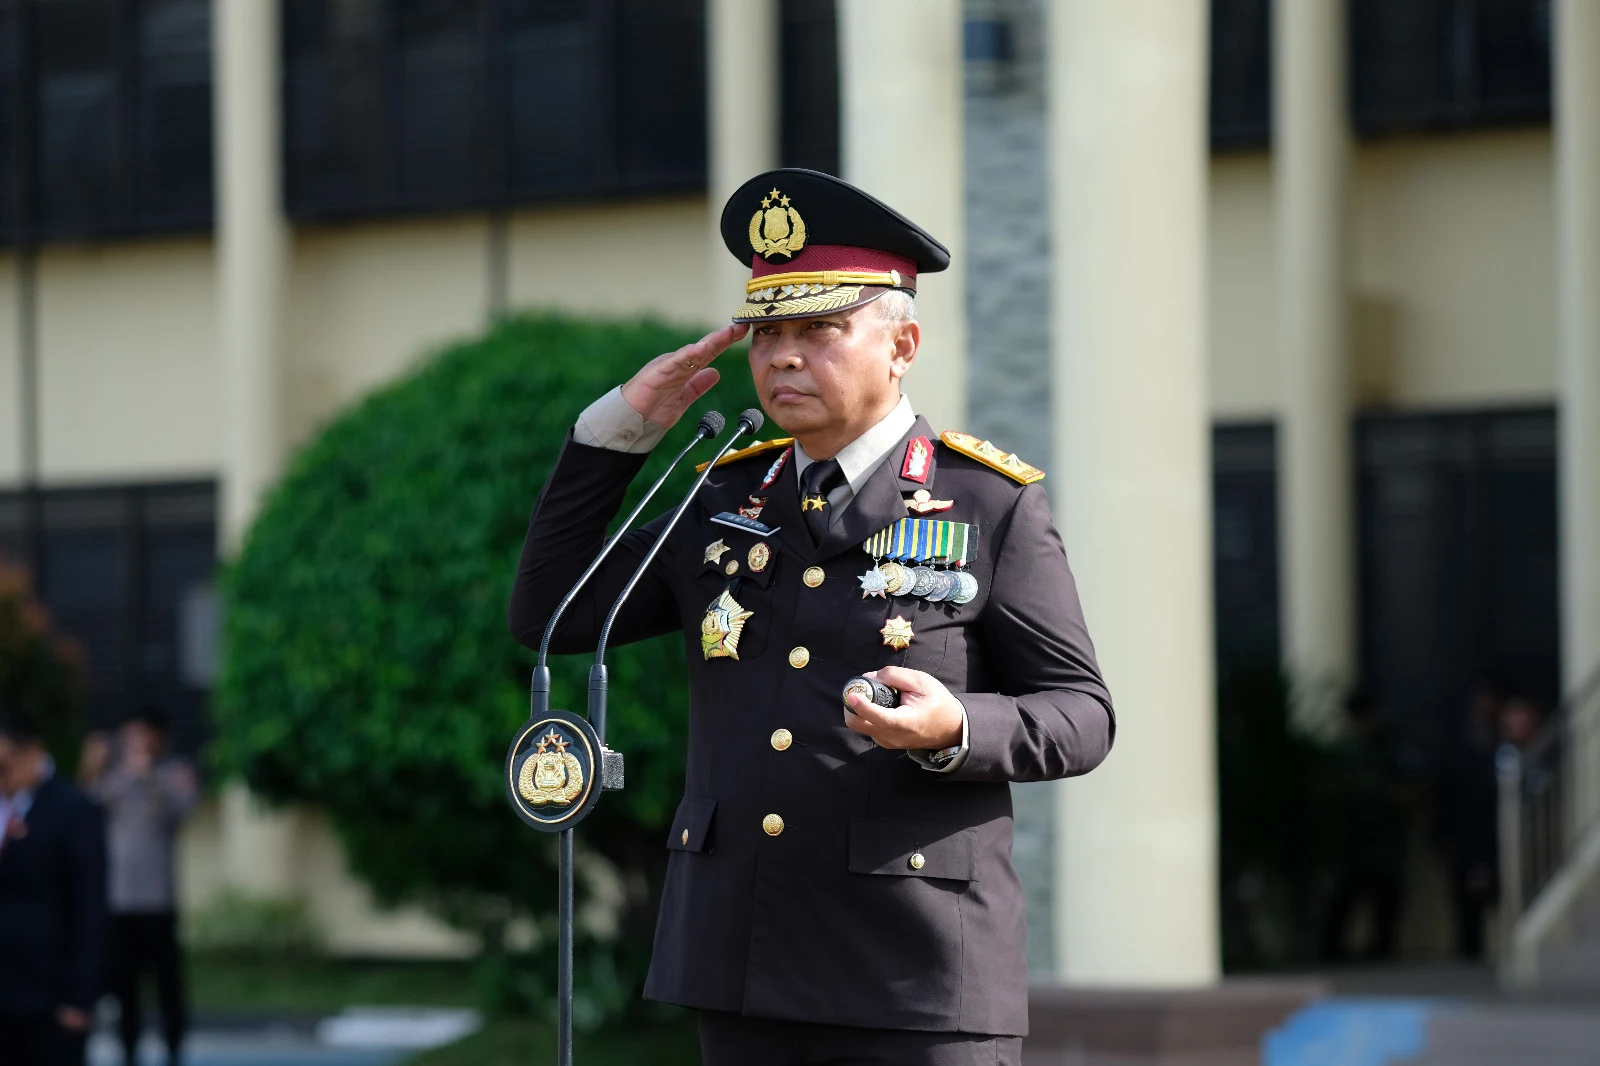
pixel 880 502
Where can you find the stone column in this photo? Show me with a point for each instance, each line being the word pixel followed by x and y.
pixel 742 129
pixel 252 250
pixel 1577 152
pixel 901 92
pixel 1314 474
pixel 1136 880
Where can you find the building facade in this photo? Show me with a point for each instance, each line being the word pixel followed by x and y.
pixel 1288 321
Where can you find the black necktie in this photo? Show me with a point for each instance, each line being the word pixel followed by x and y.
pixel 819 479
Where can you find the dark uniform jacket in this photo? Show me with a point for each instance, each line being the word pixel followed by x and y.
pixel 53 904
pixel 829 921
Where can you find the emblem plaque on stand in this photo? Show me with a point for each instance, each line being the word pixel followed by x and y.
pixel 556 769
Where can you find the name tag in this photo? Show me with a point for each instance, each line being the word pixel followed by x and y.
pixel 750 525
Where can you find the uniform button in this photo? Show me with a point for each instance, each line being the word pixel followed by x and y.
pixel 732 567
pixel 685 837
pixel 799 656
pixel 781 739
pixel 917 861
pixel 812 577
pixel 772 824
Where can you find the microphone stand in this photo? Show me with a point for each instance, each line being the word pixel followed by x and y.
pixel 610 768
pixel 749 422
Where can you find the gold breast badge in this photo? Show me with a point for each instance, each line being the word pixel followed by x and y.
pixel 553 776
pixel 897 633
pixel 720 628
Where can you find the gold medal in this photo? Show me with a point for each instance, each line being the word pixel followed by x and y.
pixel 720 628
pixel 897 579
pixel 897 633
pixel 714 551
pixel 759 557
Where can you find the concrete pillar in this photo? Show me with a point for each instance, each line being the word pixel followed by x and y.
pixel 901 95
pixel 1136 877
pixel 1314 478
pixel 1577 152
pixel 742 93
pixel 252 250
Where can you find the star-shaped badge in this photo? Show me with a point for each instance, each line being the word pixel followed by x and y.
pixel 897 633
pixel 714 551
pixel 873 583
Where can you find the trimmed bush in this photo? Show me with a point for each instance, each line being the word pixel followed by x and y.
pixel 40 671
pixel 368 670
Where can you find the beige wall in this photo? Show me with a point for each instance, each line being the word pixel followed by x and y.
pixel 341 906
pixel 1453 275
pixel 127 361
pixel 10 400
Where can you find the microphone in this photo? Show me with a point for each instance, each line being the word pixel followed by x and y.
pixel 710 426
pixel 750 421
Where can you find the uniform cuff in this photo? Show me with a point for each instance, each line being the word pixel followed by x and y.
pixel 924 759
pixel 612 424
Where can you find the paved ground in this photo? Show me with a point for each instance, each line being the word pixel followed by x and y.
pixel 357 1037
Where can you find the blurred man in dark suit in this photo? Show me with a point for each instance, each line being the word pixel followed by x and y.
pixel 52 904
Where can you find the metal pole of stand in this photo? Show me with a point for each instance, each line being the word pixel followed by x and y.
pixel 564 954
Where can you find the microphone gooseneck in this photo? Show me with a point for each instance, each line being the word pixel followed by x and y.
pixel 711 424
pixel 749 422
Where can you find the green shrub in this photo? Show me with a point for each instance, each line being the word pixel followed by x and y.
pixel 367 666
pixel 236 923
pixel 40 672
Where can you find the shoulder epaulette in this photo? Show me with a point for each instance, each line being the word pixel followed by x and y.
pixel 990 456
pixel 759 448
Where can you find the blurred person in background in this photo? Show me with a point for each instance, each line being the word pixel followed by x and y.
pixel 1470 796
pixel 147 792
pixel 52 904
pixel 1370 835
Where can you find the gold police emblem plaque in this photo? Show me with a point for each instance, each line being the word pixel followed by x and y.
pixel 552 770
pixel 777 228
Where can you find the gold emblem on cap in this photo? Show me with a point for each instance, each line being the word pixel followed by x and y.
pixel 777 229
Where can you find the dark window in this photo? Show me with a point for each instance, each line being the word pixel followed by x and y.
pixel 1413 65
pixel 809 54
pixel 412 105
pixel 1458 566
pixel 1244 544
pixel 1439 64
pixel 126 573
pixel 1241 73
pixel 109 125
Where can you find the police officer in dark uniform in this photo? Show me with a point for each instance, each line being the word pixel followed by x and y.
pixel 841 887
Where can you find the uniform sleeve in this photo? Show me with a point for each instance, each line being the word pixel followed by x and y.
pixel 611 422
pixel 565 533
pixel 1051 716
pixel 86 880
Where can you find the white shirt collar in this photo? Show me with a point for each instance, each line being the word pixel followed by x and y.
pixel 861 457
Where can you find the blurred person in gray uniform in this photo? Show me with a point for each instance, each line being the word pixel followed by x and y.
pixel 147 792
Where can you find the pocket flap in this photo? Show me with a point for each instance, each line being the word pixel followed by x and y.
pixel 910 849
pixel 691 827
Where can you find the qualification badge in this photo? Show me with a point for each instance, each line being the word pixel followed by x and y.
pixel 759 557
pixel 922 502
pixel 897 633
pixel 720 628
pixel 715 550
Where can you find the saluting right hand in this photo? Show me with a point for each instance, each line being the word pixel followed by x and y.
pixel 667 385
